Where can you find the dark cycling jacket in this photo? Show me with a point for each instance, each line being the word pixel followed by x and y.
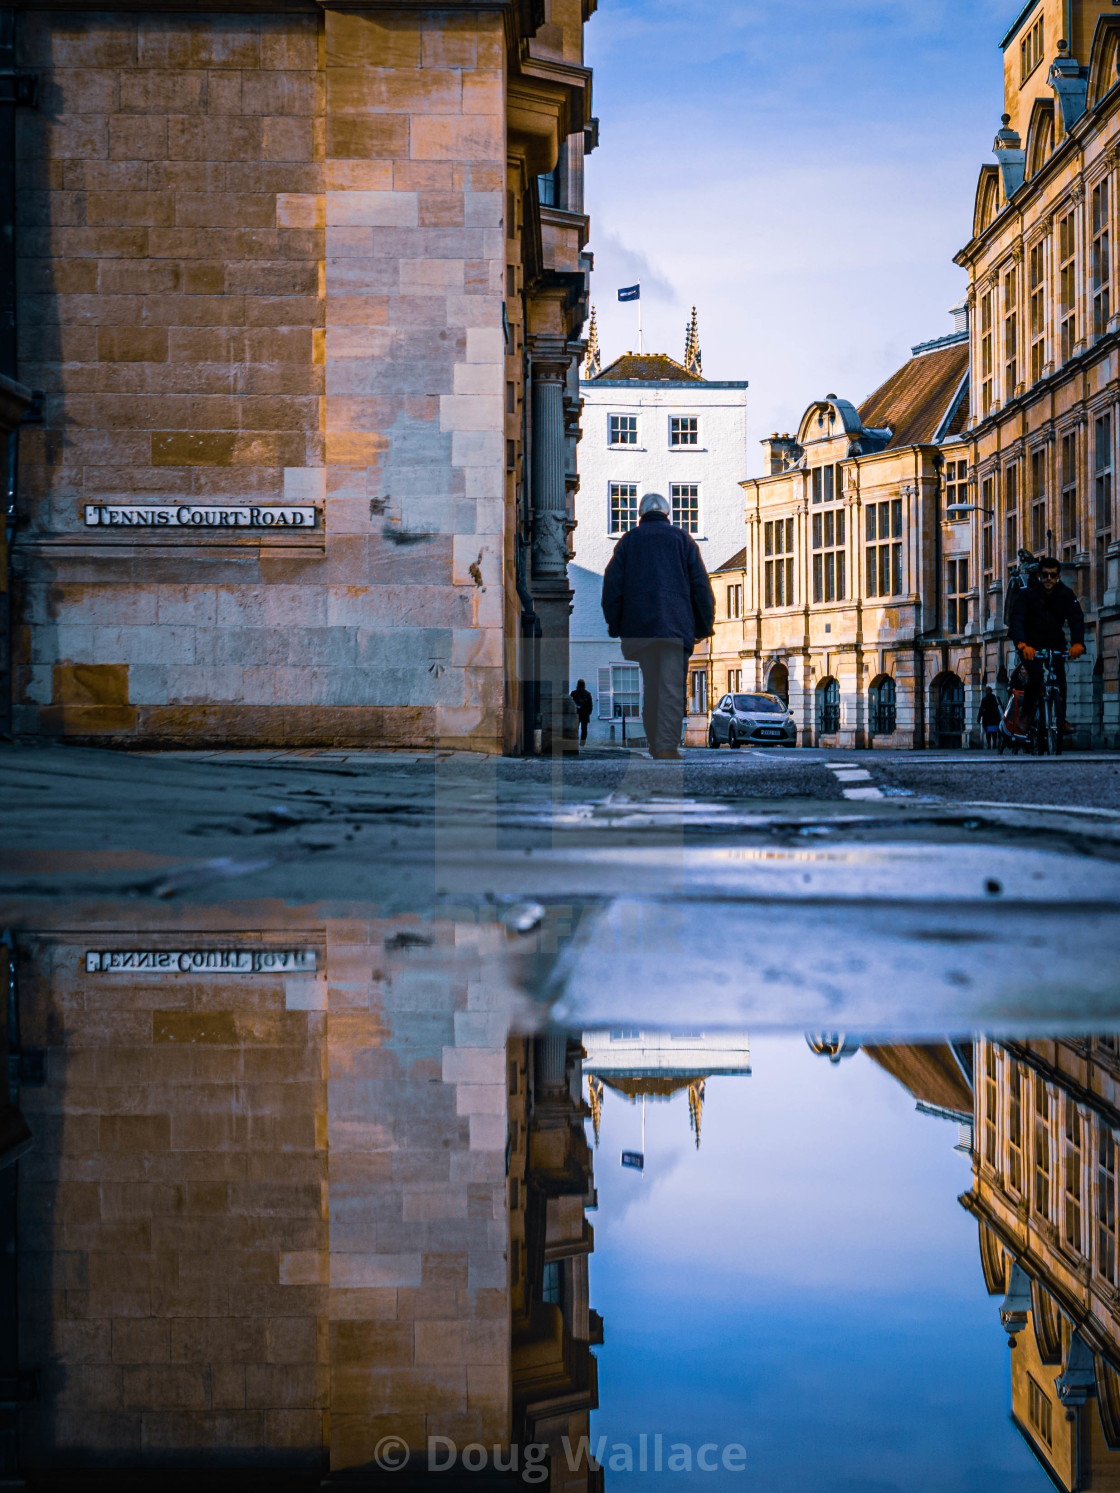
pixel 1039 620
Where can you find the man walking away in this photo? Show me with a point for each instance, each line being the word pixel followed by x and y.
pixel 658 600
pixel 1042 609
pixel 989 718
pixel 581 697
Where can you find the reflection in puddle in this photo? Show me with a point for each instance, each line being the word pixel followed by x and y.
pixel 329 1196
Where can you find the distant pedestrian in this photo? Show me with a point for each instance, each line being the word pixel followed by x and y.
pixel 989 717
pixel 581 697
pixel 658 600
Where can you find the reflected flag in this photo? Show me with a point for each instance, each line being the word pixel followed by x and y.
pixel 634 1159
pixel 630 292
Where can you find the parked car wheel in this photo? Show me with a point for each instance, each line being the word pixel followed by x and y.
pixel 713 739
pixel 732 739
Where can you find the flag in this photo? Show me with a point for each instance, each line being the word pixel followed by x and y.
pixel 630 292
pixel 634 1159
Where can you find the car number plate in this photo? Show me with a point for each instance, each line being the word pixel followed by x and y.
pixel 769 731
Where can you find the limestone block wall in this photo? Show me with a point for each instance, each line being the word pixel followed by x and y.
pixel 265 1218
pixel 261 261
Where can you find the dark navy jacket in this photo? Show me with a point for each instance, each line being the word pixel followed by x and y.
pixel 656 588
pixel 1037 619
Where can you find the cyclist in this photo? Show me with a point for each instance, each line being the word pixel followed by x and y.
pixel 1042 609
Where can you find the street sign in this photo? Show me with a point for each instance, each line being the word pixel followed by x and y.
pixel 634 1159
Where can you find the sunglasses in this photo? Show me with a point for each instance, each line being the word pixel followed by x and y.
pixel 1048 575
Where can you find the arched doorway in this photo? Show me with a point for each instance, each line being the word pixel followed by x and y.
pixel 882 706
pixel 828 707
pixel 777 682
pixel 947 710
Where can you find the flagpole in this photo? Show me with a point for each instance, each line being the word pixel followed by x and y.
pixel 639 318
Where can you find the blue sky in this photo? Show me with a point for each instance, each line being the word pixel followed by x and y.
pixel 802 172
pixel 806 1284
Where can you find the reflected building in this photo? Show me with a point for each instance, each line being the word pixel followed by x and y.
pixel 1043 1116
pixel 1044 1193
pixel 657 1065
pixel 291 1192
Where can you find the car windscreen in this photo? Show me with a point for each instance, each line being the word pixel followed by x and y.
pixel 758 705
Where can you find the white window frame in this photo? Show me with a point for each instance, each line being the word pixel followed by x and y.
pixel 676 497
pixel 608 689
pixel 612 441
pixel 693 433
pixel 612 494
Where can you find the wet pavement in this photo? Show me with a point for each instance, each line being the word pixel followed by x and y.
pixel 433 1121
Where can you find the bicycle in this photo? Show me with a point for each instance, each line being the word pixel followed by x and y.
pixel 1045 730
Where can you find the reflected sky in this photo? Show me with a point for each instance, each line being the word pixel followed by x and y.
pixel 805 1284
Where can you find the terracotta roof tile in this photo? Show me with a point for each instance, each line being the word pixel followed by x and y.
pixel 915 400
pixel 648 368
pixel 737 562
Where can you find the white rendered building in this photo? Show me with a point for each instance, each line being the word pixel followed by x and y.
pixel 649 424
pixel 659 1065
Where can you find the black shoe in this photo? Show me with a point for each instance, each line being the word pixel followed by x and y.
pixel 672 755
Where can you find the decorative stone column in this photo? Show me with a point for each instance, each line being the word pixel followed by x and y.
pixel 552 526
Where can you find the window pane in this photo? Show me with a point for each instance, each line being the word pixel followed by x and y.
pixel 872 589
pixel 896 518
pixel 871 521
pixel 896 569
pixel 841 587
pixel 884 577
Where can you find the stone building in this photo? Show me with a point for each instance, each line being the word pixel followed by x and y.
pixel 1044 1195
pixel 650 424
pixel 1027 454
pixel 836 601
pixel 292 1189
pixel 1045 336
pixel 1041 1124
pixel 301 289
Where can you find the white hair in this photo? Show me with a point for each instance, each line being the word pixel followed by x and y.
pixel 653 502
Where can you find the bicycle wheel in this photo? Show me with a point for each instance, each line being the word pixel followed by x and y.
pixel 1036 736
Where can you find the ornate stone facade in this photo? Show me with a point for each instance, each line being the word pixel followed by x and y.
pixel 1045 340
pixel 835 603
pixel 318 258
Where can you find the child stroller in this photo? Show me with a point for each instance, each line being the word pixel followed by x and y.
pixel 1012 729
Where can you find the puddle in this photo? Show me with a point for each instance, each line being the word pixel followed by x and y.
pixel 317 1196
